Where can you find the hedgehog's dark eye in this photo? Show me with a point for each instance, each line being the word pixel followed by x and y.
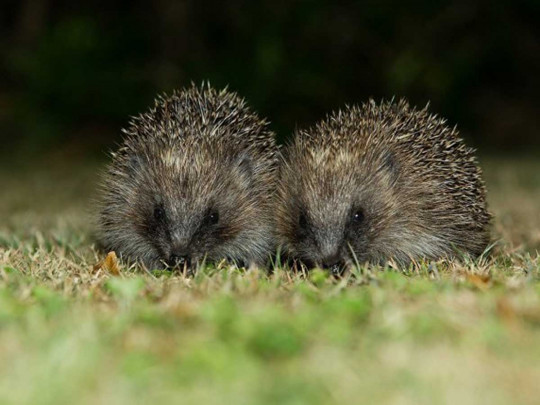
pixel 212 217
pixel 159 212
pixel 358 216
pixel 302 220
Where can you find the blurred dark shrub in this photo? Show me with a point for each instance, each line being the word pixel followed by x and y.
pixel 75 72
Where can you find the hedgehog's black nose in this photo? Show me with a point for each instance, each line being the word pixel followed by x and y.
pixel 334 264
pixel 178 260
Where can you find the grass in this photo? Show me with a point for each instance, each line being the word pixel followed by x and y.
pixel 438 333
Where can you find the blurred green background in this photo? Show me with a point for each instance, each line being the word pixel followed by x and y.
pixel 72 73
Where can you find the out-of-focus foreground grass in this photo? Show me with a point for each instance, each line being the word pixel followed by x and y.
pixel 72 332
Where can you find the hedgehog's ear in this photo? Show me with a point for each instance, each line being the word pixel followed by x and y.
pixel 391 165
pixel 133 163
pixel 244 166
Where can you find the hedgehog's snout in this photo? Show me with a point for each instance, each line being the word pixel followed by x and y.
pixel 334 263
pixel 178 256
pixel 179 260
pixel 331 261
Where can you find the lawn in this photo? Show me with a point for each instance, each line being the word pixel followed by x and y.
pixel 73 331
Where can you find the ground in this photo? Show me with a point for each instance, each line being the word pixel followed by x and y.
pixel 74 331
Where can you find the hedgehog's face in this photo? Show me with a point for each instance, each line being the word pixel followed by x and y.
pixel 208 209
pixel 204 215
pixel 178 238
pixel 333 214
pixel 329 241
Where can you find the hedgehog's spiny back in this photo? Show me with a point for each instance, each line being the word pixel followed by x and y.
pixel 201 112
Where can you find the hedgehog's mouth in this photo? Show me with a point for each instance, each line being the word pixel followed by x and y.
pixel 188 265
pixel 336 268
pixel 178 261
pixel 180 264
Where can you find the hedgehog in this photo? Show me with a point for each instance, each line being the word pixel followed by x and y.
pixel 379 183
pixel 192 181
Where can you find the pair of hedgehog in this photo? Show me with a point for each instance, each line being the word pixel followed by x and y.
pixel 200 177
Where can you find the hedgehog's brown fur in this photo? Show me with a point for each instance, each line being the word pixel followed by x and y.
pixel 378 182
pixel 192 180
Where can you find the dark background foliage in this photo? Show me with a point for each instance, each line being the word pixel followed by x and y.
pixel 72 72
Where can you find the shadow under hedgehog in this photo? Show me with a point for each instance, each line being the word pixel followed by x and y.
pixel 193 180
pixel 380 182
